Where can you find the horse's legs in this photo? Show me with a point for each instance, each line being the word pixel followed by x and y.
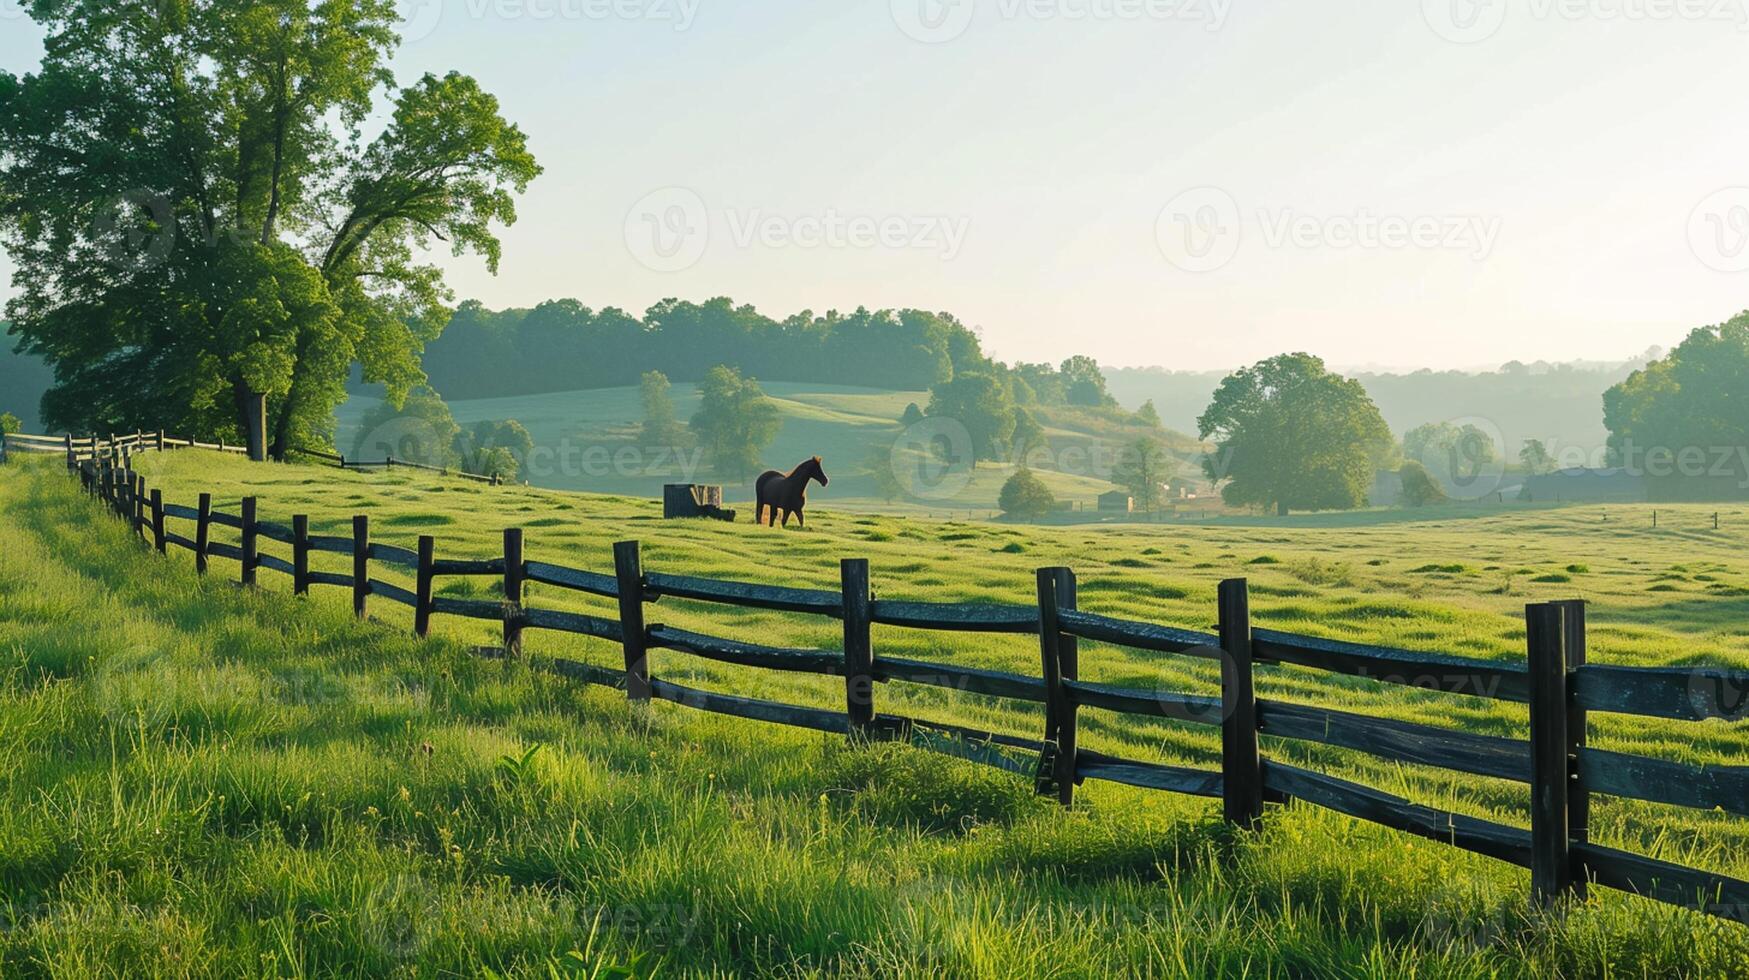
pixel 801 521
pixel 786 514
pixel 772 522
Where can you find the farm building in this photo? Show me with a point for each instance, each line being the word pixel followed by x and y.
pixel 1585 485
pixel 1116 501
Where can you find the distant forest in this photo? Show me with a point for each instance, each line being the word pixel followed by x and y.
pixel 563 345
pixel 1560 404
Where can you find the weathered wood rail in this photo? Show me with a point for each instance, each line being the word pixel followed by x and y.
pixel 1555 682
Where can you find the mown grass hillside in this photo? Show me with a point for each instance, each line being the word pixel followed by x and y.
pixel 206 781
pixel 583 432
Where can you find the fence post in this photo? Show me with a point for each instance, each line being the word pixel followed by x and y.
pixel 1241 767
pixel 71 463
pixel 160 440
pixel 360 563
pixel 628 569
pixel 1551 871
pixel 422 593
pixel 300 554
pixel 251 541
pixel 202 530
pixel 139 516
pixel 512 591
pixel 858 646
pixel 1579 795
pixel 1059 655
pixel 158 519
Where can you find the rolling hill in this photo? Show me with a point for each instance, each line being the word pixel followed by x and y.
pixel 588 440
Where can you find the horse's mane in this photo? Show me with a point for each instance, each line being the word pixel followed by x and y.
pixel 804 464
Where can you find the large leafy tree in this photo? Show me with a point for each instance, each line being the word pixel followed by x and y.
pixel 982 403
pixel 1694 401
pixel 200 219
pixel 734 422
pixel 1289 434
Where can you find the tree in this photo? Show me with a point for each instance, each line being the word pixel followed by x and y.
pixel 494 448
pixel 912 416
pixel 1027 436
pixel 1535 457
pixel 1025 496
pixel 1142 468
pixel 1084 383
pixel 660 426
pixel 1459 454
pixel 419 430
pixel 1291 435
pixel 734 422
pixel 1689 403
pixel 9 424
pixel 880 469
pixel 1419 486
pixel 204 232
pixel 982 404
pixel 1149 416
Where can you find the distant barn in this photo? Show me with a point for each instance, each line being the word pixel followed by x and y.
pixel 1116 500
pixel 1612 485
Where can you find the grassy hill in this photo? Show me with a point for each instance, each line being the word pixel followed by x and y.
pixel 581 435
pixel 205 781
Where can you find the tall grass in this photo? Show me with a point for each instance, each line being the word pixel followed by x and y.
pixel 203 781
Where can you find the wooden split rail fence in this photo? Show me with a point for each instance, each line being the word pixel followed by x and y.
pixel 1555 682
pixel 390 462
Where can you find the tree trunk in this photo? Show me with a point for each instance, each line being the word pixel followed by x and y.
pixel 252 419
pixel 1281 509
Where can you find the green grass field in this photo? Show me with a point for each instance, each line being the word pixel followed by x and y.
pixel 209 782
pixel 852 428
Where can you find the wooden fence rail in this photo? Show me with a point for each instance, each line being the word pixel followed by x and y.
pixel 1555 682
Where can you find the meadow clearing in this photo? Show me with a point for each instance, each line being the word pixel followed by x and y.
pixel 206 781
pixel 853 428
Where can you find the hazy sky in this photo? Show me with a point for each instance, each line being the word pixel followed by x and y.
pixel 1191 183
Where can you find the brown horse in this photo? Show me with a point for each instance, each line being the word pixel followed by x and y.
pixel 786 492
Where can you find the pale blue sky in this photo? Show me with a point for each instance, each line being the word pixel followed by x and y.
pixel 1559 162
